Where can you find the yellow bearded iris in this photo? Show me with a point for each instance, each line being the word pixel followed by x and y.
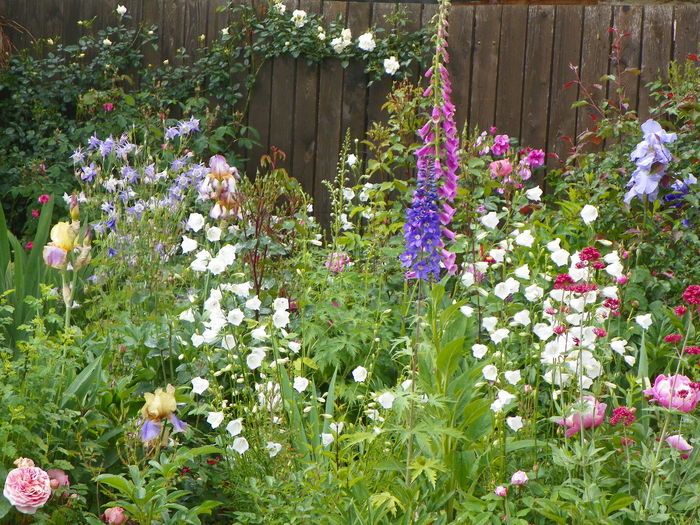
pixel 64 236
pixel 159 405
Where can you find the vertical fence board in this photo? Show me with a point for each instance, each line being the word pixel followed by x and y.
pixel 216 20
pixel 656 50
pixel 687 34
pixel 567 46
pixel 329 114
pixel 282 104
pixel 305 113
pixel 355 79
pixel 152 15
pixel 540 36
pixel 628 19
pixel 194 28
pixel 594 58
pixel 460 38
pixel 511 68
pixel 487 25
pixel 379 90
pixel 172 28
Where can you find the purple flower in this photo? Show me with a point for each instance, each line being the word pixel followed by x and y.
pixel 107 146
pixel 189 126
pixel 78 156
pixel 130 175
pixel 94 142
pixel 535 158
pixel 88 173
pixel 171 133
pixel 643 184
pixel 501 143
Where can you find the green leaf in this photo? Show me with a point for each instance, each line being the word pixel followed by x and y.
pixel 80 386
pixel 579 104
pixel 116 482
pixel 618 501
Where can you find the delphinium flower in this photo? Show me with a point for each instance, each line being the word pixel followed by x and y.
pixel 651 158
pixel 158 406
pixel 437 163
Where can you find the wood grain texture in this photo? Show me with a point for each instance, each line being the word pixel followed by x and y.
pixel 378 91
pixel 487 26
pixel 656 51
pixel 355 80
pixel 687 34
pixel 460 49
pixel 628 19
pixel 511 69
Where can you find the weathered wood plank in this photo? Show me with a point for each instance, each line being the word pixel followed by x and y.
pixel 567 45
pixel 305 115
pixel 687 20
pixel 459 41
pixel 172 29
pixel 152 15
pixel 538 62
pixel 656 51
pixel 194 28
pixel 355 80
pixel 511 69
pixel 379 90
pixel 328 125
pixel 487 26
pixel 628 19
pixel 216 20
pixel 594 59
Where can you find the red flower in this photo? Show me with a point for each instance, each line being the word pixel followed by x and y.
pixel 599 332
pixel 562 280
pixel 35 214
pixel 692 56
pixel 624 415
pixel 29 246
pixel 589 253
pixel 692 294
pixel 43 199
pixel 108 107
pixel 673 338
pixel 692 350
pixel 680 311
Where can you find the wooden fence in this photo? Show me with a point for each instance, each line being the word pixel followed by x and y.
pixel 508 65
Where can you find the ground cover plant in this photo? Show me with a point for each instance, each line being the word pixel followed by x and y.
pixel 183 344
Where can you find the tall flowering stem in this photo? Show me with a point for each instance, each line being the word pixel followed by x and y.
pixel 437 162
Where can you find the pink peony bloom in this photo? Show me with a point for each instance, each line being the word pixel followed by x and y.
pixel 674 391
pixel 679 443
pixel 27 489
pixel 500 491
pixel 592 415
pixel 114 516
pixel 500 168
pixel 519 478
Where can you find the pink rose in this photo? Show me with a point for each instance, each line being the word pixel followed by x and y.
pixel 500 491
pixel 114 516
pixel 519 478
pixel 675 391
pixel 27 488
pixel 591 415
pixel 500 168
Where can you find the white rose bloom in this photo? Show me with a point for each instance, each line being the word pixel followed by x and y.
pixel 107 42
pixel 499 335
pixel 187 315
pixel 589 214
pixel 525 239
pixel 215 419
pixel 479 350
pixel 512 376
pixel 466 310
pixel 235 317
pixel 299 17
pixel 300 384
pixel 188 245
pixel 359 374
pixel 523 272
pixel 560 257
pixel 240 445
pixel 338 45
pixel 391 65
pixel 195 222
pixel 327 439
pixel 490 220
pixel 214 234
pixel 490 372
pixel 522 318
pixel 253 303
pixel 515 423
pixel 386 400
pixel 534 194
pixel 644 321
pixel 273 448
pixel 121 10
pixel 199 385
pixel 366 42
pixel 489 323
pixel 235 427
pixel 534 293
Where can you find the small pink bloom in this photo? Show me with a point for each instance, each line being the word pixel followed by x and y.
pixel 680 311
pixel 535 158
pixel 108 107
pixel 27 489
pixel 114 516
pixel 500 168
pixel 35 214
pixel 43 199
pixel 500 491
pixel 592 415
pixel 519 478
pixel 676 391
pixel 336 261
pixel 29 246
pixel 622 280
pixel 58 478
pixel 679 443
pixel 692 294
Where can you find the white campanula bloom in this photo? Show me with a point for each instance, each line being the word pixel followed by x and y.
pixel 259 333
pixel 214 234
pixel 351 161
pixel 337 427
pixel 300 384
pixel 240 445
pixel 187 315
pixel 235 317
pixel 489 323
pixel 327 439
pixel 201 261
pixel 515 423
pixel 619 346
pixel 534 293
pixel 235 427
pixel 280 318
pixel 560 257
pixel 554 246
pixel 228 342
pixel 525 239
pixel 490 220
pixel 505 289
pixel 499 335
pixel 195 222
pixel 391 65
pixel 366 42
pixel 188 245
pixel 490 372
pixel 644 321
pixel 512 376
pixel 523 272
pixel 498 254
pixel 502 399
pixel 216 266
pixel 199 385
pixel 589 213
pixel 348 193
pixel 466 310
pixel 215 419
pixel 534 194
pixel 197 340
pixel 386 400
pixel 281 303
pixel 253 303
pixel 294 346
pixel 522 318
pixel 255 358
pixel 479 350
pixel 468 279
pixel 359 374
pixel 273 448
pixel 543 330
